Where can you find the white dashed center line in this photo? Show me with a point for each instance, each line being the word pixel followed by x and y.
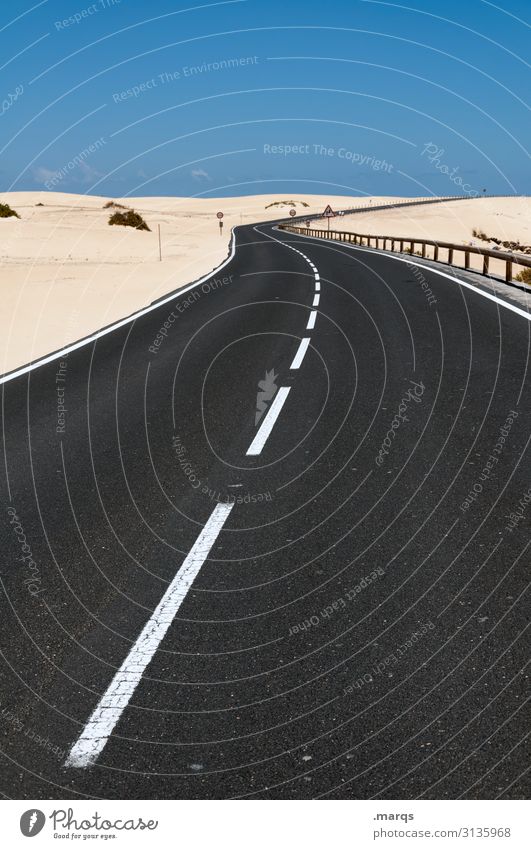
pixel 278 402
pixel 299 356
pixel 267 425
pixel 101 724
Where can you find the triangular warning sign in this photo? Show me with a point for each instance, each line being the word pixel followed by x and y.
pixel 329 212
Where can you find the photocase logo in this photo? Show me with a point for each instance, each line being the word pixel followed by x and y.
pixel 267 390
pixel 32 822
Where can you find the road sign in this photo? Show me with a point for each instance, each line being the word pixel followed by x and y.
pixel 220 214
pixel 292 212
pixel 329 212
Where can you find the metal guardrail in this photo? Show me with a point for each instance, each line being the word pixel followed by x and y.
pixel 364 240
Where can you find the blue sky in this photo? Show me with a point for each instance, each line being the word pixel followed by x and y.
pixel 345 97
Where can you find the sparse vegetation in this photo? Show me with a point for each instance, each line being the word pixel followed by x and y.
pixel 292 203
pixel 524 276
pixel 111 204
pixel 504 243
pixel 7 212
pixel 39 204
pixel 129 219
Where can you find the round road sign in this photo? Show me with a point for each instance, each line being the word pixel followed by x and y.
pixel 292 212
pixel 220 215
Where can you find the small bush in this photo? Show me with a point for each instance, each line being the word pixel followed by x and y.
pixel 479 234
pixel 286 203
pixel 129 219
pixel 524 276
pixel 111 204
pixel 7 212
pixel 39 204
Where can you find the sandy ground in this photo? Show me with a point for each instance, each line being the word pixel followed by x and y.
pixel 66 273
pixel 508 219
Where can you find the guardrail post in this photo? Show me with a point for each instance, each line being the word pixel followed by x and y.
pixel 392 244
pixel 509 271
pixel 424 249
pixel 485 264
pixel 467 259
pixel 436 253
pixel 450 256
pixel 401 246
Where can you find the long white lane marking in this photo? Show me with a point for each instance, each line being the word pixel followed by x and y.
pixel 267 425
pixel 311 320
pixel 99 727
pixel 316 301
pixel 299 356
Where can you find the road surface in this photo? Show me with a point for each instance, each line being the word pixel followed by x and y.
pixel 270 540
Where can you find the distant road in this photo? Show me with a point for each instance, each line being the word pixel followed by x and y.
pixel 369 208
pixel 270 540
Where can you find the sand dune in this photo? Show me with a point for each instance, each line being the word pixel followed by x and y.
pixel 66 273
pixel 452 221
pixel 508 219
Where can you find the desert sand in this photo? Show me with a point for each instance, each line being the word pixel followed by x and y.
pixel 66 273
pixel 506 218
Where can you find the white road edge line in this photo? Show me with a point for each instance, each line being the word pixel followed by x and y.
pixel 299 356
pixel 316 301
pixel 311 320
pixel 99 727
pixel 267 425
pixel 427 267
pixel 75 345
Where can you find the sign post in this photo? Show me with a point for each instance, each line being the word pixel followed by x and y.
pixel 219 216
pixel 329 213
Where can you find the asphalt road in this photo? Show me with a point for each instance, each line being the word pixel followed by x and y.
pixel 354 625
